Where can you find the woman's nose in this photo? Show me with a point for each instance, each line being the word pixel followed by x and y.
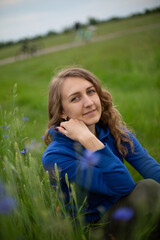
pixel 87 101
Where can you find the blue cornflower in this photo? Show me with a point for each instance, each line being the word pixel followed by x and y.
pixel 7 205
pixel 123 214
pixel 89 158
pixel 24 151
pixel 25 119
pixel 4 127
pixel 5 135
pixel 42 137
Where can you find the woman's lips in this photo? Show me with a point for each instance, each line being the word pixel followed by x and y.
pixel 90 112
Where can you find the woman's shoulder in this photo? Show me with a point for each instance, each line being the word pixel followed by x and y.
pixel 60 148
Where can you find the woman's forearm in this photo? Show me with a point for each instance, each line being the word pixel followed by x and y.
pixel 91 142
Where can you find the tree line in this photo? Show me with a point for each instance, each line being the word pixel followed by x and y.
pixel 91 21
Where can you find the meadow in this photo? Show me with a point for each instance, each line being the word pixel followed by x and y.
pixel 128 66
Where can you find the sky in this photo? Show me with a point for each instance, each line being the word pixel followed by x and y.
pixel 28 18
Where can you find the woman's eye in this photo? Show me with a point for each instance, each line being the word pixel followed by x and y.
pixel 74 99
pixel 91 91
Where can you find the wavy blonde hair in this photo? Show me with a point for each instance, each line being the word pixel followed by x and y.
pixel 110 115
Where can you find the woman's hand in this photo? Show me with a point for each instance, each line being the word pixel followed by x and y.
pixel 74 129
pixel 78 131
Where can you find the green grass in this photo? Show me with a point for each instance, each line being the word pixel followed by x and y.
pixel 101 29
pixel 45 42
pixel 129 66
pixel 128 23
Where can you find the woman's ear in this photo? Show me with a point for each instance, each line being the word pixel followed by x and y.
pixel 64 117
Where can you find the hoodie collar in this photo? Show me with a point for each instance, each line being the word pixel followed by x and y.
pixel 57 135
pixel 102 132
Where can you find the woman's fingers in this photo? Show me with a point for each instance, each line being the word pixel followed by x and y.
pixel 61 130
pixel 73 128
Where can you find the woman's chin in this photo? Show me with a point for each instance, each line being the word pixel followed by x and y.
pixel 91 123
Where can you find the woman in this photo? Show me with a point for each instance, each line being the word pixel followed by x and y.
pixel 82 117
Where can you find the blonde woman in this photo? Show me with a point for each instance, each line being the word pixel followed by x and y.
pixel 82 114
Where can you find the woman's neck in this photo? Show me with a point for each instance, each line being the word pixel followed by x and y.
pixel 92 128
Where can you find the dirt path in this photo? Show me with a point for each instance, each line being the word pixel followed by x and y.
pixel 80 43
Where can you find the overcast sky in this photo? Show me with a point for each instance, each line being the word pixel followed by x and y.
pixel 28 18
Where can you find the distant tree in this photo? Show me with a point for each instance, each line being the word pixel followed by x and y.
pixel 154 10
pixel 114 19
pixel 23 40
pixel 2 44
pixel 93 21
pixel 37 37
pixel 67 30
pixel 6 44
pixel 51 33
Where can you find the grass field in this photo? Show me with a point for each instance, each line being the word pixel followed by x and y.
pixel 129 66
pixel 102 29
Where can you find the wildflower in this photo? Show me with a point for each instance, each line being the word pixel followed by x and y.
pixel 42 137
pixel 5 135
pixel 89 158
pixel 24 151
pixel 123 214
pixel 7 203
pixel 25 119
pixel 4 127
pixel 58 207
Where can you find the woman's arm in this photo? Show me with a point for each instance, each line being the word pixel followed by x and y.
pixel 147 166
pixel 109 176
pixel 78 131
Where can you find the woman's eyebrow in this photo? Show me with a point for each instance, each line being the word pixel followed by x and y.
pixel 74 93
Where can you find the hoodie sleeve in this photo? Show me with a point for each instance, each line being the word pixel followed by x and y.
pixel 109 176
pixel 146 165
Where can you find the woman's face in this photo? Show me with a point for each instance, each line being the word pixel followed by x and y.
pixel 80 100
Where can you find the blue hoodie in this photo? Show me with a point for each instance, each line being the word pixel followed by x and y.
pixel 105 181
